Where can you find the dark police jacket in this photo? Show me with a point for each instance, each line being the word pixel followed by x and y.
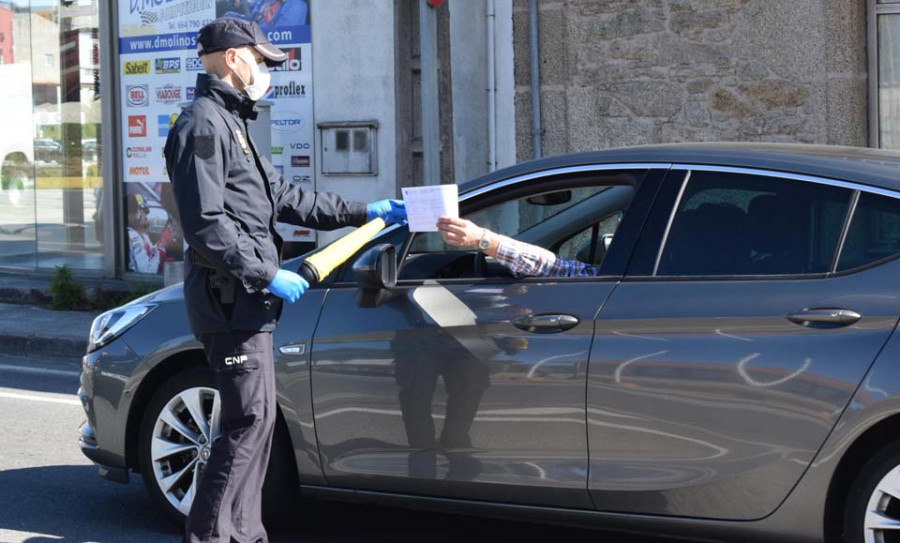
pixel 229 198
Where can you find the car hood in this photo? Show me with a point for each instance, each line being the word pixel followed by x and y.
pixel 172 293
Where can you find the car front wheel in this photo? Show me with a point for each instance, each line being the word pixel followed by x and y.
pixel 872 513
pixel 178 429
pixel 180 424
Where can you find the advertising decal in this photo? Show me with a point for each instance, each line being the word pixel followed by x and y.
pixel 159 67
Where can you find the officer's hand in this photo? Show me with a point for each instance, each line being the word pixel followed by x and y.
pixel 288 286
pixel 389 210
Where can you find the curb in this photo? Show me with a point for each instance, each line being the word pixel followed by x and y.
pixel 42 347
pixel 21 296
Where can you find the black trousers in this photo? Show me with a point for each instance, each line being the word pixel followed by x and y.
pixel 228 503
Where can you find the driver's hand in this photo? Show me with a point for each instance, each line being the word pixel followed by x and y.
pixel 459 232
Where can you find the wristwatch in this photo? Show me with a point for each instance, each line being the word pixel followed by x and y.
pixel 485 242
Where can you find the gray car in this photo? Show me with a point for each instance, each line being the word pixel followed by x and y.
pixel 730 372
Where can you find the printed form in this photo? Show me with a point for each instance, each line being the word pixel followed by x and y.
pixel 424 205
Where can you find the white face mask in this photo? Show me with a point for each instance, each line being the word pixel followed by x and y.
pixel 262 79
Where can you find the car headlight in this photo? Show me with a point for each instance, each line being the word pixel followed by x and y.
pixel 114 323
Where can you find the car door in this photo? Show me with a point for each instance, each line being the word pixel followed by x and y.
pixel 725 357
pixel 461 383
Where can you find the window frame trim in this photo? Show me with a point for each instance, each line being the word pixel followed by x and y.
pixel 665 238
pixel 856 188
pixel 848 220
pixel 563 170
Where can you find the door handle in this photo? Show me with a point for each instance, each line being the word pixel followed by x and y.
pixel 840 317
pixel 546 323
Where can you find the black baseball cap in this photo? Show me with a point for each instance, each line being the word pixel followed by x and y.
pixel 232 32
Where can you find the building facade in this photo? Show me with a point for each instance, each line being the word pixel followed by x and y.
pixel 381 95
pixel 616 73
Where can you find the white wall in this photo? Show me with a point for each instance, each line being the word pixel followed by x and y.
pixel 468 58
pixel 353 74
pixel 506 85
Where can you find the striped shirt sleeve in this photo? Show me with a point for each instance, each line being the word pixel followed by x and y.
pixel 526 260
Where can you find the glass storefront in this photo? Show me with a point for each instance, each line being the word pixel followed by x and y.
pixel 52 146
pixel 51 142
pixel 889 81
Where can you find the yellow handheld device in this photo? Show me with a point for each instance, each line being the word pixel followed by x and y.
pixel 320 265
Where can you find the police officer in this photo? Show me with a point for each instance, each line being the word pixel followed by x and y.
pixel 229 198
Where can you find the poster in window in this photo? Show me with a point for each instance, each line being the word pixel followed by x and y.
pixel 158 68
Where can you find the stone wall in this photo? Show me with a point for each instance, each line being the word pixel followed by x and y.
pixel 627 72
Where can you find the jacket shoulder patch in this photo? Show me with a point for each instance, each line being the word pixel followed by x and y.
pixel 205 146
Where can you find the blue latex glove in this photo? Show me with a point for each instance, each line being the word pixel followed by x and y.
pixel 288 286
pixel 389 210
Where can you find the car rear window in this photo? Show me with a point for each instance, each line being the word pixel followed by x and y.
pixel 736 224
pixel 874 232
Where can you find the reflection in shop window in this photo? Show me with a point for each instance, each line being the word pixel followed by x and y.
pixel 67 111
pixel 18 225
pixel 51 188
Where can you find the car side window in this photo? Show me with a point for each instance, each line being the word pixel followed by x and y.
pixel 509 218
pixel 874 232
pixel 542 219
pixel 737 224
pixel 591 244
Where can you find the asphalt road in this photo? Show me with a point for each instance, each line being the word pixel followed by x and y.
pixel 49 492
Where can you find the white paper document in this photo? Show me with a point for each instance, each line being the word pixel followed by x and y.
pixel 425 204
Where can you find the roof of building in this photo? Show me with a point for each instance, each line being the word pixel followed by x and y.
pixel 868 166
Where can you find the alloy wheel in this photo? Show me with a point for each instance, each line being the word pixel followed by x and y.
pixel 183 434
pixel 882 519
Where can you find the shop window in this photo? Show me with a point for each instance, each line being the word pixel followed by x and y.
pixel 51 189
pixel 884 47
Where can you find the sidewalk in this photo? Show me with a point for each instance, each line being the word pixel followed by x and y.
pixel 32 332
pixel 35 332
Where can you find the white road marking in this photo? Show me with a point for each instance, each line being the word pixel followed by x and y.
pixel 33 398
pixel 38 371
pixel 27 536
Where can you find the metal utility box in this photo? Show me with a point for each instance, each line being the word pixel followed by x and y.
pixel 349 148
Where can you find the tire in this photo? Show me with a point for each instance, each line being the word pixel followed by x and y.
pixel 167 457
pixel 868 503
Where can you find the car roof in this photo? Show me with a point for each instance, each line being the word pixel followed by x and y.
pixel 863 165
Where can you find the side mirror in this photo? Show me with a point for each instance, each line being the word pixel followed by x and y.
pixel 375 271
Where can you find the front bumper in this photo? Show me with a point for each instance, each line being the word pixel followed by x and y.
pixel 105 376
pixel 87 441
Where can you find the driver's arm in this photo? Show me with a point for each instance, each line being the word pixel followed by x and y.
pixel 523 259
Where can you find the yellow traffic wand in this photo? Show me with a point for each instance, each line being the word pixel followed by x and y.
pixel 320 265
